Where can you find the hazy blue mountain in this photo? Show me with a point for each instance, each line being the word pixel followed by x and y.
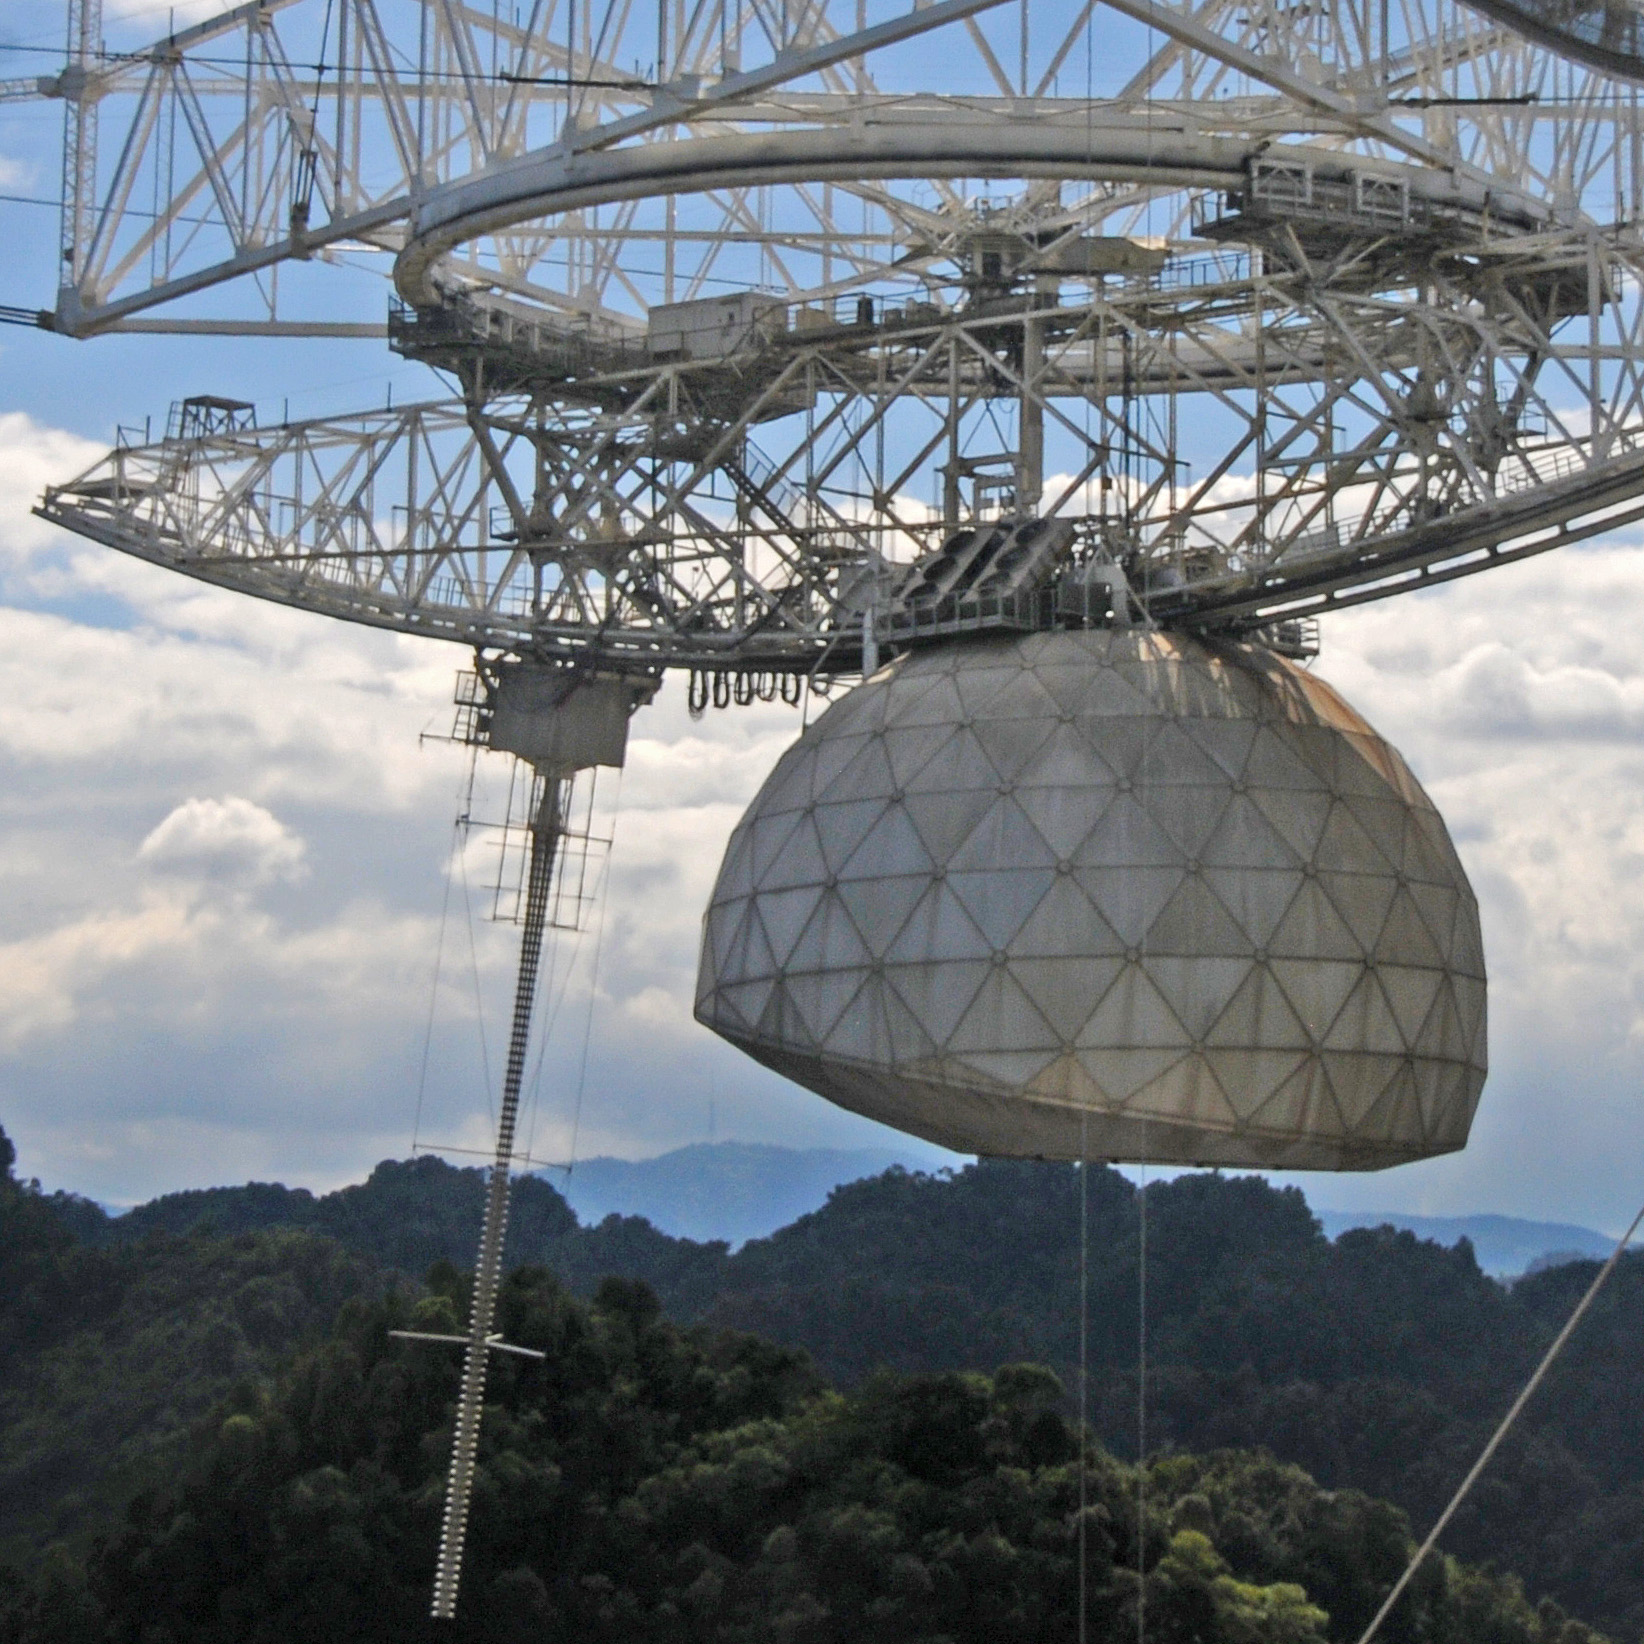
pixel 724 1190
pixel 738 1191
pixel 1505 1245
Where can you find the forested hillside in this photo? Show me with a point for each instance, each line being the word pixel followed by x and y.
pixel 107 1354
pixel 1377 1362
pixel 648 1485
pixel 409 1215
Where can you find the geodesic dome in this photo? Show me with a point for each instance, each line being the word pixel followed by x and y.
pixel 1111 894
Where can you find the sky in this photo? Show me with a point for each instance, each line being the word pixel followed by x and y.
pixel 227 879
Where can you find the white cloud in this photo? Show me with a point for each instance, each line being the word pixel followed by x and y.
pixel 44 979
pixel 225 839
pixel 164 14
pixel 31 458
pixel 1518 696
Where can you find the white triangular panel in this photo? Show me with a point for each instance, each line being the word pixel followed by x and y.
pixel 1065 995
pixel 1065 926
pixel 936 703
pixel 830 940
pixel 1001 901
pixel 1130 899
pixel 912 748
pixel 939 930
pixel 789 787
pixel 1124 834
pixel 1256 899
pixel 1001 1014
pixel 833 757
pixel 1004 840
pixel 841 826
pixel 1259 1015
pixel 1195 925
pixel 959 766
pixel 783 915
pixel 1064 762
pixel 892 848
pixel 879 908
pixel 1198 989
pixel 1244 838
pixel 800 861
pixel 1064 816
pixel 937 996
pixel 1187 1094
pixel 1133 1014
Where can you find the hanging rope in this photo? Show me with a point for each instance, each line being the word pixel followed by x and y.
pixel 1141 1410
pixel 556 999
pixel 603 899
pixel 434 988
pixel 1501 1432
pixel 546 830
pixel 1084 1367
pixel 479 990
pixel 557 983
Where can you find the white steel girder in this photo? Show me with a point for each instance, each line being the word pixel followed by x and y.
pixel 1312 282
pixel 270 135
pixel 748 509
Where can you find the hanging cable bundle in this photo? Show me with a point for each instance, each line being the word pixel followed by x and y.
pixel 742 687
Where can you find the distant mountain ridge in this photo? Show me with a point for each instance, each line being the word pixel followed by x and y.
pixel 733 1191
pixel 738 1191
pixel 1505 1246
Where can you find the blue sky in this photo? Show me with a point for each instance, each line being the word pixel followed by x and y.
pixel 224 847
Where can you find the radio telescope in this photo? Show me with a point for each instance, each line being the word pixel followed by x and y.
pixel 788 345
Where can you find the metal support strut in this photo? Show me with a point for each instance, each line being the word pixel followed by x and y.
pixel 546 829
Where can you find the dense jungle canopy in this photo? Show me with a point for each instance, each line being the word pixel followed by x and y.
pixel 837 1432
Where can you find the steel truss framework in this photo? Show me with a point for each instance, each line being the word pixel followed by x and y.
pixel 1310 305
pixel 783 332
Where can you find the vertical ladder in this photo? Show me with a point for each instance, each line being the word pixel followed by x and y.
pixel 546 829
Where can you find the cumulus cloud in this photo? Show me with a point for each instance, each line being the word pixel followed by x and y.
pixel 224 839
pixel 1518 696
pixel 148 16
pixel 31 458
pixel 1495 691
pixel 45 979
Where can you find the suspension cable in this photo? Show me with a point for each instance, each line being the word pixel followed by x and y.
pixel 434 986
pixel 1501 1432
pixel 1084 1368
pixel 474 968
pixel 1141 1410
pixel 603 894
